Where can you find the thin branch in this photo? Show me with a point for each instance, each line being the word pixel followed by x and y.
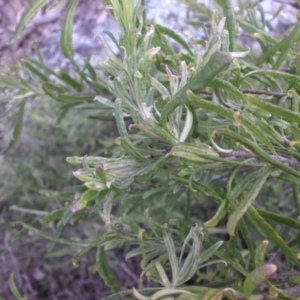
pixel 263 92
pixel 255 92
pixel 238 154
pixel 290 162
pixel 248 154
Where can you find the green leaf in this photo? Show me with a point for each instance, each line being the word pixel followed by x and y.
pixel 55 239
pixel 56 6
pixel 283 47
pixel 14 288
pixel 249 28
pixel 134 227
pixel 23 232
pixel 232 262
pixel 66 43
pixel 295 279
pixel 230 21
pixel 161 41
pixel 216 108
pixel 272 235
pixel 172 257
pixel 247 201
pixel 66 78
pixel 163 294
pixel 154 193
pixel 142 250
pixel 85 198
pixel 275 109
pixel 163 276
pixel 157 129
pixel 290 78
pixel 279 218
pixel 191 262
pixel 120 295
pixel 91 161
pixel 52 90
pixel 119 119
pixel 69 99
pixel 105 101
pixel 190 152
pixel 106 272
pixel 201 292
pixel 218 216
pixel 30 12
pixel 257 277
pixel 34 71
pixel 96 243
pixel 257 132
pixel 130 149
pixel 165 94
pixel 53 216
pixel 202 189
pixel 219 83
pixel 218 62
pixel 18 127
pixel 150 170
pixel 260 254
pixel 176 37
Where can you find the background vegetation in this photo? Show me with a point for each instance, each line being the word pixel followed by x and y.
pixel 192 164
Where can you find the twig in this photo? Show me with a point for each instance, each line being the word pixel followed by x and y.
pixel 248 154
pixel 254 91
pixel 238 154
pixel 290 162
pixel 123 266
pixel 12 257
pixel 263 92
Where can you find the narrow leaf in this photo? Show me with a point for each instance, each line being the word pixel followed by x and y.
pixel 119 119
pixel 163 276
pixel 26 17
pixel 18 127
pixel 218 62
pixel 247 201
pixel 217 108
pixel 69 99
pixel 257 277
pixel 106 272
pixel 230 21
pixel 275 109
pixel 14 289
pixel 172 257
pixel 279 218
pixel 260 254
pixel 252 30
pixel 66 43
pixel 55 239
pixel 130 149
pixel 287 45
pixel 34 71
pixel 66 78
pixel 272 235
pixel 159 87
pixel 219 215
pixel 53 216
pixel 176 37
pixel 105 101
pixel 208 253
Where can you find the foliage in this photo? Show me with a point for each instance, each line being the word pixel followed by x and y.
pixel 213 126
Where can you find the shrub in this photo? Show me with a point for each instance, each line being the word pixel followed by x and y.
pixel 207 158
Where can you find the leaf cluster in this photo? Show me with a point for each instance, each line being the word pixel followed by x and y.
pixel 211 125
